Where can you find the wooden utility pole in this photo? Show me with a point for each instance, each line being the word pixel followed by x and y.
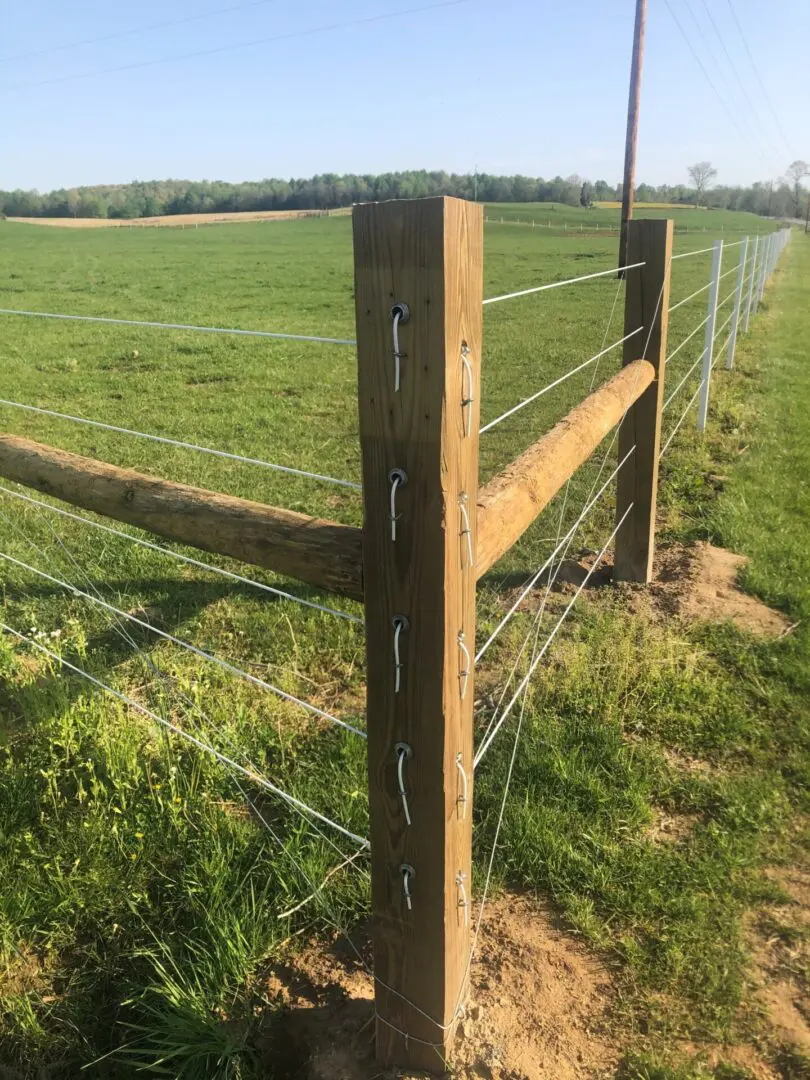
pixel 646 304
pixel 419 292
pixel 631 140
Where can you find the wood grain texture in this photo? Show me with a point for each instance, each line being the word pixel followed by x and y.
pixel 321 553
pixel 646 304
pixel 427 253
pixel 511 501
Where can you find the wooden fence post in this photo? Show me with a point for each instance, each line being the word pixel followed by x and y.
pixel 738 300
pixel 646 304
pixel 711 325
pixel 419 292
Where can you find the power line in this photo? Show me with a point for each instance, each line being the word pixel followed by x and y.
pixel 759 78
pixel 733 67
pixel 134 30
pixel 717 68
pixel 327 28
pixel 706 75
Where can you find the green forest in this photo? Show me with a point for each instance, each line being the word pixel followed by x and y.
pixel 328 191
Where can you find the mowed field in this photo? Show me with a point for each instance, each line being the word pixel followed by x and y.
pixel 142 912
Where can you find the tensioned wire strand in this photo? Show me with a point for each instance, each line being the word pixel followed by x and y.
pixel 688 338
pixel 674 431
pixel 539 573
pixel 559 284
pixel 533 666
pixel 691 296
pixel 232 669
pixel 222 758
pixel 168 682
pixel 558 382
pixel 181 326
pixel 685 379
pixel 180 444
pixel 183 558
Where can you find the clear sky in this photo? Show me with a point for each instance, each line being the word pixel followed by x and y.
pixel 524 86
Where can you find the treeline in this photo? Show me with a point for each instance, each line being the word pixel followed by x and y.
pixel 329 191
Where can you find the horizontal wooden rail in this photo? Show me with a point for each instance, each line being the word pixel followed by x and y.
pixel 321 553
pixel 511 501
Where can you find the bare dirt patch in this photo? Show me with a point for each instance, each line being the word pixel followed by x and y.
pixel 701 582
pixel 537 1010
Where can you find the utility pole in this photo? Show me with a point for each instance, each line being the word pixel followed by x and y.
pixel 629 185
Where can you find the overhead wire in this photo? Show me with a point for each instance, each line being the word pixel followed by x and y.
pixel 290 36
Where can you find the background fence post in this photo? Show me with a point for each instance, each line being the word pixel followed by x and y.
pixel 763 270
pixel 751 281
pixel 735 319
pixel 419 389
pixel 708 350
pixel 646 304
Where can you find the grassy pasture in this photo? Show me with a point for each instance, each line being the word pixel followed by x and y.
pixel 145 900
pixel 557 216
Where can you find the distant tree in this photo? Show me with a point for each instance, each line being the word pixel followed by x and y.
pixel 797 171
pixel 701 174
pixel 586 194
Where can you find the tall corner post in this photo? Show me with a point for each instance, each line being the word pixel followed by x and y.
pixel 738 302
pixel 419 292
pixel 646 304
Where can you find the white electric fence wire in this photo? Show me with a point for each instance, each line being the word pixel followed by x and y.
pixel 464 784
pixel 533 666
pixel 461 879
pixel 254 679
pixel 557 382
pixel 399 626
pixel 559 284
pixel 222 758
pixel 179 443
pixel 397 353
pixel 466 532
pixel 688 338
pixel 183 558
pixel 731 295
pixel 180 326
pixel 704 251
pixel 731 269
pixel 691 296
pixel 319 888
pixel 685 379
pixel 536 577
pixel 688 254
pixel 402 757
pixel 722 349
pixel 674 431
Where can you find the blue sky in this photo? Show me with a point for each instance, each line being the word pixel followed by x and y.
pixel 518 86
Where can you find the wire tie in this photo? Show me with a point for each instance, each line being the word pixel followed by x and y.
pixel 400 623
pixel 468 398
pixel 462 799
pixel 464 673
pixel 400 313
pixel 466 531
pixel 461 877
pixel 407 872
pixel 404 753
pixel 396 478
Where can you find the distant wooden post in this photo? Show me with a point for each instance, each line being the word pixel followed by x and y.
pixel 420 263
pixel 646 304
pixel 711 326
pixel 738 301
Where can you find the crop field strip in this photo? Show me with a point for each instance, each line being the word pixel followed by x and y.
pixel 294 444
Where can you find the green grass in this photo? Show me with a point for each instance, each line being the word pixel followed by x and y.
pixel 558 217
pixel 145 898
